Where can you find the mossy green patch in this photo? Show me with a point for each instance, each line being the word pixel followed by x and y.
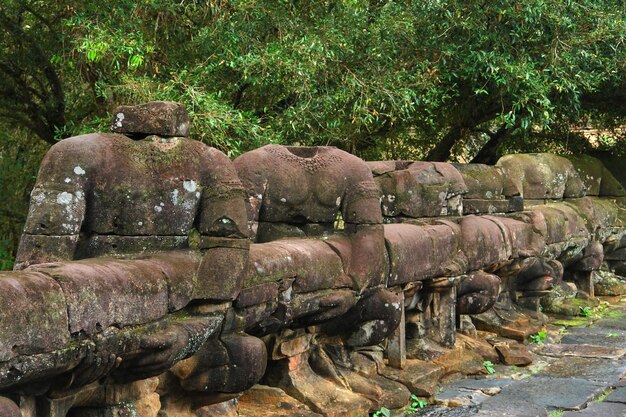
pixel 614 314
pixel 581 321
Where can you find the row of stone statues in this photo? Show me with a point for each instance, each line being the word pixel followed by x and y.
pixel 153 270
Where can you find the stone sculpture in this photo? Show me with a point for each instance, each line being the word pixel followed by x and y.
pixel 116 195
pixel 299 192
pixel 155 276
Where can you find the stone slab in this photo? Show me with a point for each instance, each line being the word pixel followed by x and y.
pixel 418 376
pixel 312 263
pixel 262 400
pixel 583 351
pixel 606 371
pixel 454 397
pixel 438 411
pixel 599 410
pixel 33 317
pixel 101 292
pixel 486 206
pixel 513 353
pixel 618 323
pixel 382 392
pixel 617 396
pixel 535 395
pixel 480 383
pixel 606 337
pixel 161 118
pixel 513 413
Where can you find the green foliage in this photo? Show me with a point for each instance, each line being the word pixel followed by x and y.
pixel 416 403
pixel 383 412
pixel 538 338
pixel 20 157
pixel 584 311
pixel 488 365
pixel 382 79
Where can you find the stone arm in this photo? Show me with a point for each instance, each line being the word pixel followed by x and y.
pixel 57 205
pixel 252 172
pixel 222 224
pixel 222 212
pixel 363 226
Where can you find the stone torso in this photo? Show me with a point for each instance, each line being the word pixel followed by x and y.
pixel 303 186
pixel 110 194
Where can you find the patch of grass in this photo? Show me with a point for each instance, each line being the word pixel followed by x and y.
pixel 536 368
pixel 556 413
pixel 614 314
pixel 571 322
pixel 603 396
pixel 613 335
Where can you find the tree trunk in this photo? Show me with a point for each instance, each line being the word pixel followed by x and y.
pixel 488 154
pixel 441 151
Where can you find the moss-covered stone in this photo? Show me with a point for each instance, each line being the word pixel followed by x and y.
pixel 155 118
pixel 542 176
pixel 483 242
pixel 580 321
pixel 311 262
pixel 417 253
pixel 419 189
pixel 483 182
pixel 103 292
pixel 607 283
pixel 33 316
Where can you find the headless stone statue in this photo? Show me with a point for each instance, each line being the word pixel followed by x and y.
pixel 149 190
pixel 298 192
pixel 103 194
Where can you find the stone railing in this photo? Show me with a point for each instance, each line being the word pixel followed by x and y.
pixel 155 276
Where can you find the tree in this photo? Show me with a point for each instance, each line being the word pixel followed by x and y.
pixel 32 94
pixel 403 79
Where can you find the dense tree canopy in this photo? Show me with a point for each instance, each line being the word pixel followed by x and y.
pixel 369 76
pixel 437 79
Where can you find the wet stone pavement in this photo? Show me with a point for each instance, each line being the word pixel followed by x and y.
pixel 580 371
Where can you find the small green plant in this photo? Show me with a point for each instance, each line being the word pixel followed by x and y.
pixel 539 338
pixel 613 335
pixel 584 311
pixel 556 413
pixel 489 367
pixel 383 412
pixel 415 404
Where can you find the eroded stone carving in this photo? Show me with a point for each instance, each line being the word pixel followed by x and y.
pixel 139 290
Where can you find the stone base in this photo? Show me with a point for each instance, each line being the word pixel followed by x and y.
pixel 607 283
pixel 295 376
pixel 507 320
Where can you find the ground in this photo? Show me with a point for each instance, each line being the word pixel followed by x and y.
pixel 580 370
